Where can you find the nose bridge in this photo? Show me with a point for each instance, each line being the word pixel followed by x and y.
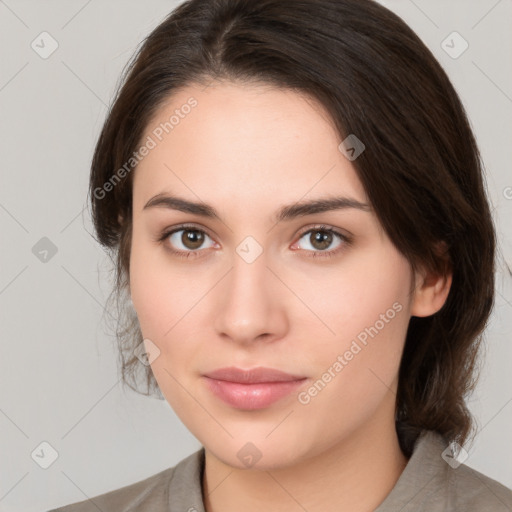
pixel 248 280
pixel 249 305
pixel 249 274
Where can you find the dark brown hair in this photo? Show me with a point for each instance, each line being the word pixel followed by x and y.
pixel 421 167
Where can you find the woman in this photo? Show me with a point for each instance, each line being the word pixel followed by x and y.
pixel 296 203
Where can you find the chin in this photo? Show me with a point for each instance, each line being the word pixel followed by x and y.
pixel 261 455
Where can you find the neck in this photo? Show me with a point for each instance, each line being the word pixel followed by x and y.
pixel 355 475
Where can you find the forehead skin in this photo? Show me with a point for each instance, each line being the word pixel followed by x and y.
pixel 251 144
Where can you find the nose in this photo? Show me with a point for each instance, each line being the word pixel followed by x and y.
pixel 251 302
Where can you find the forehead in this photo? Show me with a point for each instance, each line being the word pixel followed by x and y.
pixel 255 144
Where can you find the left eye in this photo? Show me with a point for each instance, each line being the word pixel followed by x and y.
pixel 321 239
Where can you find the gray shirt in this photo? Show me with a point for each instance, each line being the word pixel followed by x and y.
pixel 428 484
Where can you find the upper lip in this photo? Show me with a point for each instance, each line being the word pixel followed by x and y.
pixel 253 375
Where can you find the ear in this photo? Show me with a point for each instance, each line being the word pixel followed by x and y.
pixel 431 290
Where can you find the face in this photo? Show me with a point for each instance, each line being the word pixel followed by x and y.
pixel 323 296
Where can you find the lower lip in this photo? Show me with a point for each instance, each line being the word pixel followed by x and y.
pixel 252 396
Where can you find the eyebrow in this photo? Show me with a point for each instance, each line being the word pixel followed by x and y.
pixel 285 213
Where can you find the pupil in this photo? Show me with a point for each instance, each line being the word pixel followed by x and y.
pixel 323 238
pixel 192 239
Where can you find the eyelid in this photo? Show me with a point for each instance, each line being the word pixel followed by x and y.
pixel 326 227
pixel 166 232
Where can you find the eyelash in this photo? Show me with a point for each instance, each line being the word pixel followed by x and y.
pixel 347 241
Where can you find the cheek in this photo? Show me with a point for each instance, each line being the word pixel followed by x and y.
pixel 148 296
pixel 161 301
pixel 158 288
pixel 166 297
pixel 367 309
pixel 371 292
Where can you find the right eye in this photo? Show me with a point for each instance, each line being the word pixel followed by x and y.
pixel 184 241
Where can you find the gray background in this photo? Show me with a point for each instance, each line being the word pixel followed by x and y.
pixel 58 377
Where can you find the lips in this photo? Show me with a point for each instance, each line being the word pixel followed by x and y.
pixel 254 375
pixel 257 388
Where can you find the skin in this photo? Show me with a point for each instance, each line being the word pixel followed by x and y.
pixel 248 149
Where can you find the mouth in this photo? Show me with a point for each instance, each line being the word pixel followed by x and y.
pixel 252 389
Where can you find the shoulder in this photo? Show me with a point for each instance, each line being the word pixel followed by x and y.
pixel 177 485
pixel 473 491
pixel 434 480
pixel 148 492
